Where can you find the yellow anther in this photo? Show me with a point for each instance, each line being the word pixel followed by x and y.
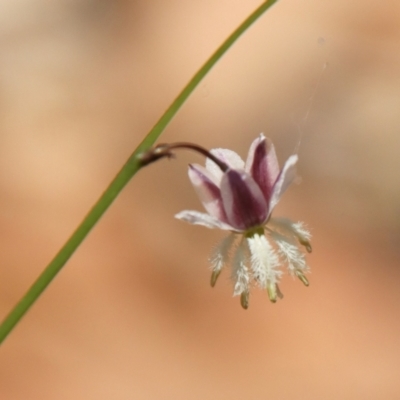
pixel 214 277
pixel 302 277
pixel 244 300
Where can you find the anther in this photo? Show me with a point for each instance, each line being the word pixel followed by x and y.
pixel 244 300
pixel 214 276
pixel 306 244
pixel 302 277
pixel 272 292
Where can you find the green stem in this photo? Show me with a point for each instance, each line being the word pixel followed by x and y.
pixel 126 173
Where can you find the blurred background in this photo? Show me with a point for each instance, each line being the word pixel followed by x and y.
pixel 132 315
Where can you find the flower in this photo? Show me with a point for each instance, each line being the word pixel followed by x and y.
pixel 240 199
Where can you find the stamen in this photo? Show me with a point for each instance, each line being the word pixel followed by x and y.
pixel 165 150
pixel 220 257
pixel 293 229
pixel 240 273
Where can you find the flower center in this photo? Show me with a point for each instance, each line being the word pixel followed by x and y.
pixel 258 230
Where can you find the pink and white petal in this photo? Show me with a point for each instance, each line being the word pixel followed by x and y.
pixel 208 191
pixel 286 177
pixel 199 218
pixel 262 165
pixel 229 157
pixel 205 172
pixel 243 201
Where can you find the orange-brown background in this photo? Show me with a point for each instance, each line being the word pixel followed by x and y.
pixel 132 315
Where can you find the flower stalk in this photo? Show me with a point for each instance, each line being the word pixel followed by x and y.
pixel 165 151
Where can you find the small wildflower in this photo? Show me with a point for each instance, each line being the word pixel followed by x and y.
pixel 239 197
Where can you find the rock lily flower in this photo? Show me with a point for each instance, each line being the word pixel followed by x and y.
pixel 241 200
pixel 239 197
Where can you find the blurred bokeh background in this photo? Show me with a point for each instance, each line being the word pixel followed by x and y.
pixel 132 315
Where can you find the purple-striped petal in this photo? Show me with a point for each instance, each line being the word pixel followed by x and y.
pixel 244 203
pixel 262 165
pixel 229 157
pixel 286 177
pixel 198 218
pixel 208 191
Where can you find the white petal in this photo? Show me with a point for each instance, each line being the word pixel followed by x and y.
pixel 264 261
pixel 229 157
pixel 286 177
pixel 199 218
